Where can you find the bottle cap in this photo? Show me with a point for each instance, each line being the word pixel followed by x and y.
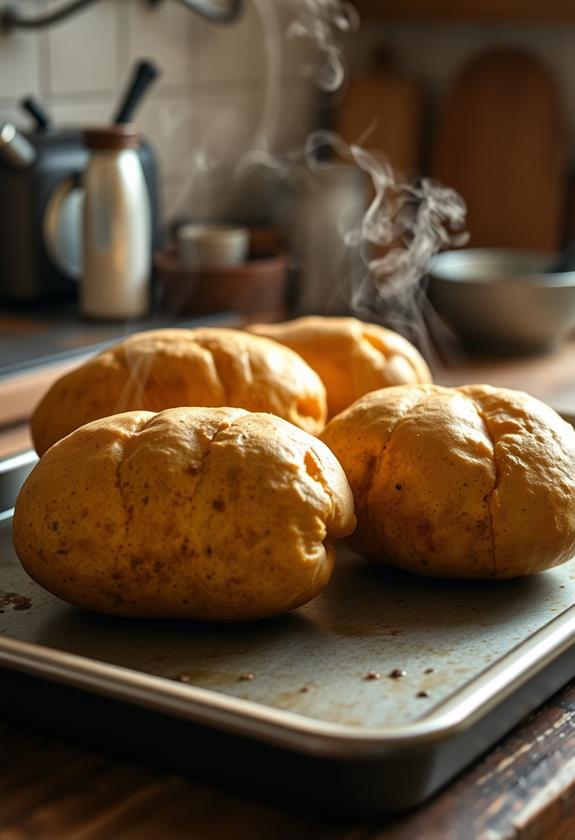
pixel 112 137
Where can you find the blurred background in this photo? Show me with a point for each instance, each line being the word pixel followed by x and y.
pixel 240 181
pixel 210 99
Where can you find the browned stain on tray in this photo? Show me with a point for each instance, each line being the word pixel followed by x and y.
pixel 14 601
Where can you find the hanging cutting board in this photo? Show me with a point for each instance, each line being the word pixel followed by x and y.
pixel 501 142
pixel 383 111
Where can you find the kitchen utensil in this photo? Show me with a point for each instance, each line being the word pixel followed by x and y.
pixel 38 113
pixel 117 227
pixel 503 300
pixel 212 246
pixel 383 111
pixel 12 18
pixel 15 150
pixel 501 143
pixel 143 75
pixel 41 205
pixel 365 701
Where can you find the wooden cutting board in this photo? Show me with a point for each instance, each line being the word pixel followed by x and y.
pixel 501 142
pixel 383 111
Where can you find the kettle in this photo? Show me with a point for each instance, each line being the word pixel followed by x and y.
pixel 41 200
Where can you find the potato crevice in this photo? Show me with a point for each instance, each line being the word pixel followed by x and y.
pixel 378 463
pixel 490 434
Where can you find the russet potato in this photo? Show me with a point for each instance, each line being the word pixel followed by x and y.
pixel 205 513
pixel 473 481
pixel 167 368
pixel 351 357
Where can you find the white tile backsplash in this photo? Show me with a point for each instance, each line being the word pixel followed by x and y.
pixel 19 59
pixel 237 51
pixel 83 50
pixel 79 114
pixel 173 124
pixel 169 35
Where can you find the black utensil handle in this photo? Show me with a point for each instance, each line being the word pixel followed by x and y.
pixel 144 75
pixel 37 112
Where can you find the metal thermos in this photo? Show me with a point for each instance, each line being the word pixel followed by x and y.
pixel 116 225
pixel 314 210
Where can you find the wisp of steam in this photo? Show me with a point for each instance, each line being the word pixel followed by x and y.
pixel 403 227
pixel 319 22
pixel 322 22
pixel 405 224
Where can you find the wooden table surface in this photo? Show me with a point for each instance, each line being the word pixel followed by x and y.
pixel 523 789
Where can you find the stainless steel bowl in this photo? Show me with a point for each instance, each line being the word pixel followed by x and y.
pixel 503 300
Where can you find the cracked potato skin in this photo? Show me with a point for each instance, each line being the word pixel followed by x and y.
pixel 350 356
pixel 461 482
pixel 206 513
pixel 159 369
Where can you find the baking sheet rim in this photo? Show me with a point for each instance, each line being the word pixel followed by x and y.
pixel 290 730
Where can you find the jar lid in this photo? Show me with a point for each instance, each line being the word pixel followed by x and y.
pixel 111 137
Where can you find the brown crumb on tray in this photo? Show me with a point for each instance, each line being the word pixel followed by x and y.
pixel 428 671
pixel 371 675
pixel 245 677
pixel 422 694
pixel 12 599
pixel 397 673
pixel 304 689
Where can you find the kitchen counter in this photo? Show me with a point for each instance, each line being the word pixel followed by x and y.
pixel 52 787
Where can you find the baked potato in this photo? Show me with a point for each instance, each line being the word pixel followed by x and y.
pixel 351 357
pixel 168 368
pixel 473 481
pixel 206 513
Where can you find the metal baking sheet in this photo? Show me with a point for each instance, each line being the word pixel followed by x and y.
pixel 408 678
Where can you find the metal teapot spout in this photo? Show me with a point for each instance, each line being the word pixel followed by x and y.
pixel 16 150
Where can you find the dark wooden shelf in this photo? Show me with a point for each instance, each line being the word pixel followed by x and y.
pixel 520 11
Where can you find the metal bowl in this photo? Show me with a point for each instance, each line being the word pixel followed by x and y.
pixel 503 300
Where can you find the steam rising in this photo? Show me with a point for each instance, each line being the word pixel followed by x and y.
pixel 408 223
pixel 412 221
pixel 404 225
pixel 322 22
pixel 389 250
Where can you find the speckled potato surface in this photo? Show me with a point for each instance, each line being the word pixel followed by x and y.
pixel 206 513
pixel 463 482
pixel 160 369
pixel 351 357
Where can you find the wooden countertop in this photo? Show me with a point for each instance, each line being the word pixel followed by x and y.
pixel 523 789
pixel 52 789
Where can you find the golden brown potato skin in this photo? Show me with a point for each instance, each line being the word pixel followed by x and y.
pixel 160 369
pixel 461 482
pixel 350 356
pixel 206 513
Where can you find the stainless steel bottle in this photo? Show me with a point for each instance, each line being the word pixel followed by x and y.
pixel 117 227
pixel 314 209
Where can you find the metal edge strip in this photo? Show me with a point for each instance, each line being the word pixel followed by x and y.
pixel 288 729
pixel 26 458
